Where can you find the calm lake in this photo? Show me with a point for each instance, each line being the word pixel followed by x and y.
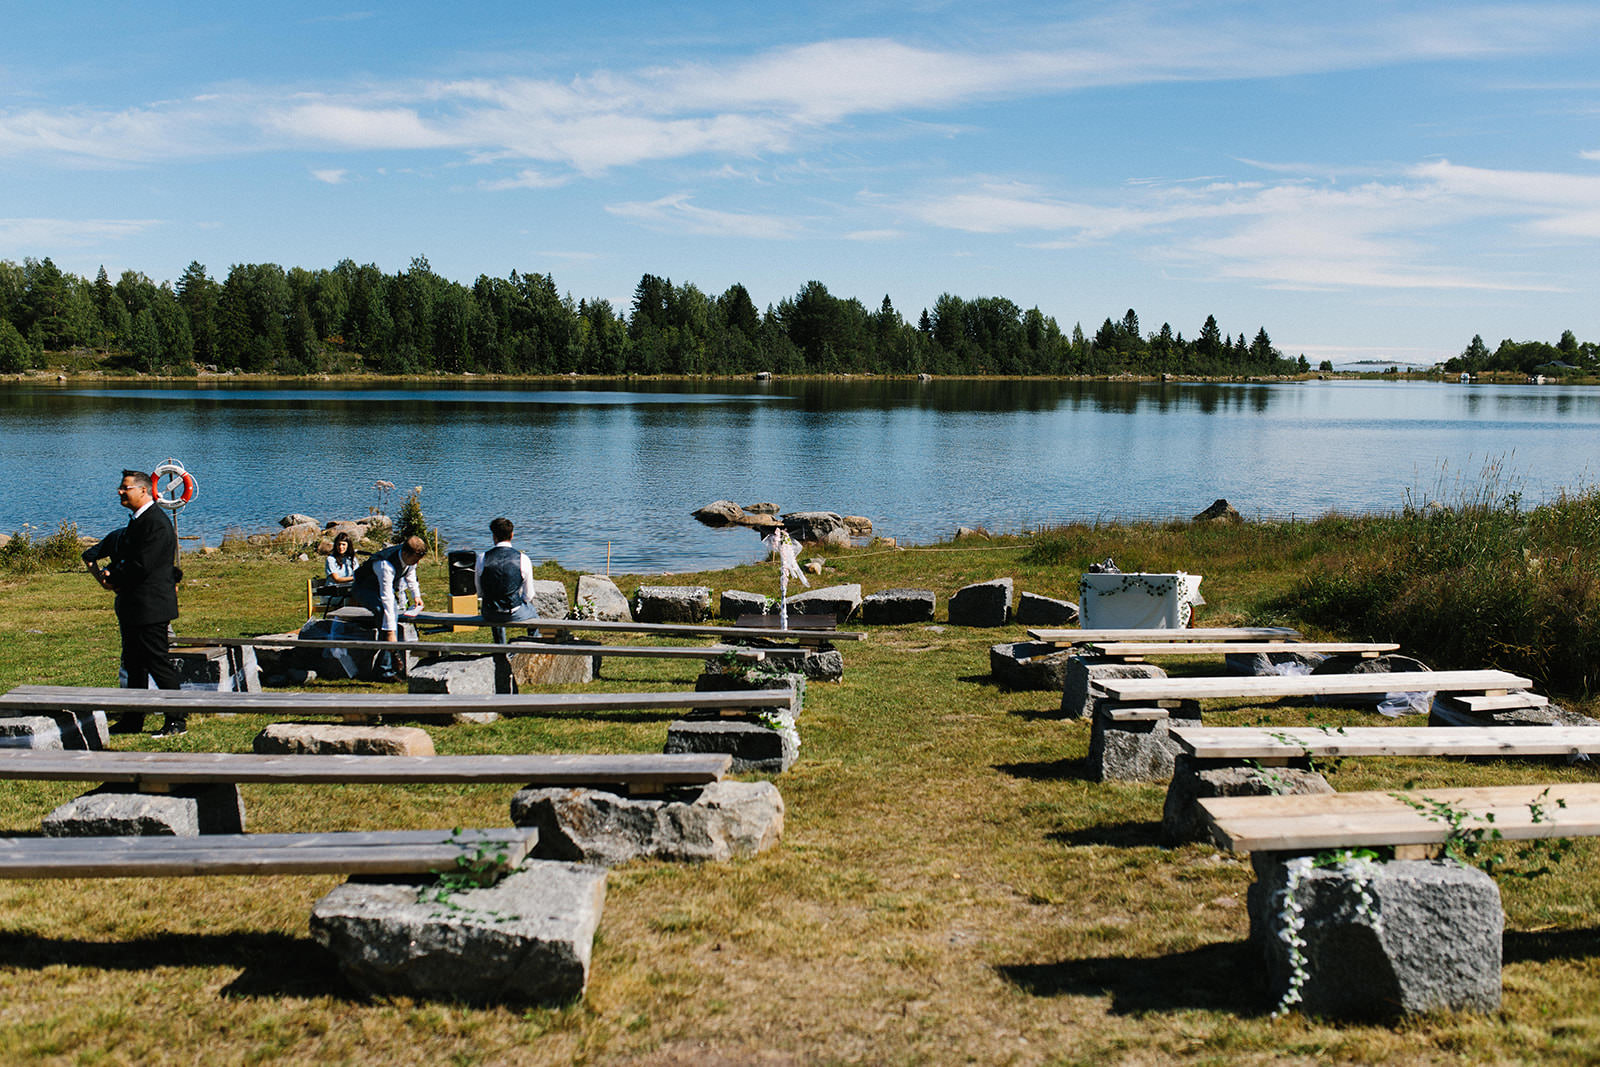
pixel 578 467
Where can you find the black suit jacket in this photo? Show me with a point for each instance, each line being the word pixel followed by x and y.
pixel 142 571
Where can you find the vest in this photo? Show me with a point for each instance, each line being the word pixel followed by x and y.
pixel 500 583
pixel 367 577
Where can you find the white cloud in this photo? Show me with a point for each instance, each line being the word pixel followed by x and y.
pixel 1294 234
pixel 874 235
pixel 57 233
pixel 782 98
pixel 524 179
pixel 332 177
pixel 675 214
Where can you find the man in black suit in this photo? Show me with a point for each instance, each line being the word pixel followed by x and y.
pixel 144 576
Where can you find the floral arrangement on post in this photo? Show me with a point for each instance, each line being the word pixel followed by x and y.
pixel 787 549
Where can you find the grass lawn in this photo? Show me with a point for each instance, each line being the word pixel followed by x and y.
pixel 950 888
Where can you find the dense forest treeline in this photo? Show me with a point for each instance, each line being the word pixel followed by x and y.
pixel 264 319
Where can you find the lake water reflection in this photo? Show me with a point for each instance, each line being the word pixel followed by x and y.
pixel 582 466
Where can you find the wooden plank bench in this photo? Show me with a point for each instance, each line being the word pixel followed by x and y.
pixel 1206 754
pixel 480 648
pixel 659 629
pixel 1170 691
pixel 1070 638
pixel 819 621
pixel 44 699
pixel 345 852
pixel 1430 935
pixel 1273 747
pixel 1130 738
pixel 1385 819
pixel 1139 651
pixel 155 772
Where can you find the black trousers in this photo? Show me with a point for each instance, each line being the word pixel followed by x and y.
pixel 145 657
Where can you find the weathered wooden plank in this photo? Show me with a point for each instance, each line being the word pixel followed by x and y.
pixel 1346 820
pixel 482 648
pixel 150 768
pixel 30 699
pixel 672 629
pixel 1251 742
pixel 1211 648
pixel 365 852
pixel 1199 633
pixel 1143 689
pixel 1508 701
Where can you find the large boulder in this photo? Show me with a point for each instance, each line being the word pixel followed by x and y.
pixel 1379 939
pixel 720 513
pixel 30 731
pixel 526 938
pixel 305 533
pixel 897 607
pixel 1389 663
pixel 840 601
pixel 1078 693
pixel 1220 511
pixel 761 509
pixel 817 527
pixel 1180 817
pixel 1029 665
pixel 296 519
pixel 1036 610
pixel 672 603
pixel 550 599
pixel 768 747
pixel 982 604
pixel 305 739
pixel 736 602
pixel 718 822
pixel 599 598
pixel 858 525
pixel 125 815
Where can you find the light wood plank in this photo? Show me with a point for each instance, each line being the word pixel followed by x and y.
pixel 1509 701
pixel 1347 820
pixel 155 768
pixel 31 699
pixel 367 852
pixel 1145 689
pixel 671 629
pixel 482 648
pixel 1199 633
pixel 1214 648
pixel 1251 742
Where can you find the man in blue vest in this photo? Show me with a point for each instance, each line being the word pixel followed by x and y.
pixel 505 582
pixel 381 585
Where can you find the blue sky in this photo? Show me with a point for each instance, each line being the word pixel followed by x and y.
pixel 1365 180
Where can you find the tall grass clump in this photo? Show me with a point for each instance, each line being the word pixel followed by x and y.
pixel 24 554
pixel 1476 582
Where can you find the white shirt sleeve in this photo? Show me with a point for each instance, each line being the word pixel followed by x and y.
pixel 383 570
pixel 527 581
pixel 413 586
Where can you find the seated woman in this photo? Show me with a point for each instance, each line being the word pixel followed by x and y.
pixel 341 570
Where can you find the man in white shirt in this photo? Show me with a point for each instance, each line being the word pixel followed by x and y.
pixel 381 585
pixel 504 578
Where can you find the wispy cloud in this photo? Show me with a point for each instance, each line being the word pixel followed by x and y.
pixel 780 99
pixel 675 214
pixel 68 233
pixel 874 235
pixel 1294 234
pixel 331 177
pixel 525 179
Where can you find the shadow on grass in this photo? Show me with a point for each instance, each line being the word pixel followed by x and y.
pixel 1120 834
pixel 271 965
pixel 1224 977
pixel 1520 946
pixel 1060 770
pixel 986 680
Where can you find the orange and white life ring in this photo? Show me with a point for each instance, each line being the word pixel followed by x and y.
pixel 180 486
